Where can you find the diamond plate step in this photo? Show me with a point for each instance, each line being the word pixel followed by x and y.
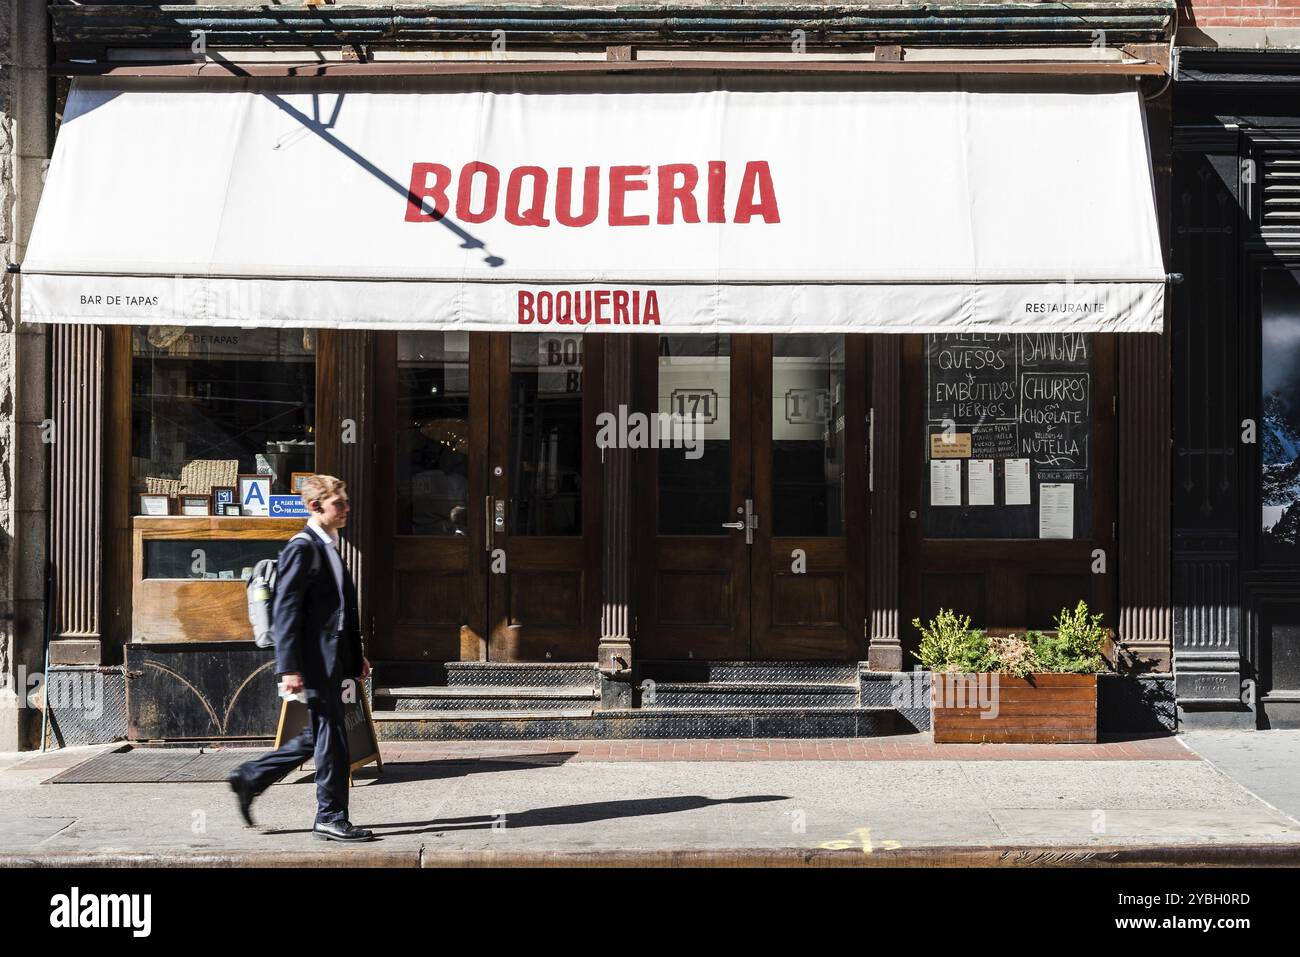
pixel 639 723
pixel 482 698
pixel 571 674
pixel 750 695
pixel 751 672
pixel 466 714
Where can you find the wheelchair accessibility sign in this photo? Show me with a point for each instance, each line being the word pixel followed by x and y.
pixel 287 506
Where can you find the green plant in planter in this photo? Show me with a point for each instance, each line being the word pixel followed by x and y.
pixel 948 643
pixel 1077 645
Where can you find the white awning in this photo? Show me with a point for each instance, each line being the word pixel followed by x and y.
pixel 616 203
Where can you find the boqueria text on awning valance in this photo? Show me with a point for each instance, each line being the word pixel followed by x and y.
pixel 601 307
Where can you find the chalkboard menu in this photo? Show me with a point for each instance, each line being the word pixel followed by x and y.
pixel 1008 435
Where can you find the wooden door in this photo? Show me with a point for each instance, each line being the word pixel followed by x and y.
pixel 808 574
pixel 753 546
pixel 991 561
pixel 692 573
pixel 430 585
pixel 541 520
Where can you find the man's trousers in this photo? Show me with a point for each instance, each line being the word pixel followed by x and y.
pixel 325 739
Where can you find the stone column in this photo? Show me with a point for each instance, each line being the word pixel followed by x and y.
pixel 76 499
pixel 24 147
pixel 615 650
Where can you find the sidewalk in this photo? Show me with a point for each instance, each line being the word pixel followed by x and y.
pixel 875 801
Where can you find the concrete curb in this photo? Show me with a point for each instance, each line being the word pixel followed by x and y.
pixel 1195 855
pixel 342 857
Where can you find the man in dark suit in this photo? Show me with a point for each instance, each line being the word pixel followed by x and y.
pixel 317 648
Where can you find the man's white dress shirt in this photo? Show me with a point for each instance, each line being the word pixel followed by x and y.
pixel 331 538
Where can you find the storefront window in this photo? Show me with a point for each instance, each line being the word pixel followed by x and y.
pixel 432 433
pixel 695 466
pixel 545 434
pixel 206 558
pixel 807 435
pixel 1280 429
pixel 1008 436
pixel 212 404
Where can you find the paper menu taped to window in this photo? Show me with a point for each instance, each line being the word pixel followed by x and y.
pixel 1017 479
pixel 945 481
pixel 979 481
pixel 1055 510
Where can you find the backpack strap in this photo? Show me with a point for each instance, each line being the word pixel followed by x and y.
pixel 315 555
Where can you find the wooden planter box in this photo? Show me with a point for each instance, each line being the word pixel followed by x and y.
pixel 1001 709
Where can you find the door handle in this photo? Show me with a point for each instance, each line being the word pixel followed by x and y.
pixel 749 523
pixel 487 524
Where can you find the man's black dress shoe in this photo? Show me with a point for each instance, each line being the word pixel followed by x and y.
pixel 245 794
pixel 342 831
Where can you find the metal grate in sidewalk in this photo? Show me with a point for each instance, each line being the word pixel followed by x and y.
pixel 156 766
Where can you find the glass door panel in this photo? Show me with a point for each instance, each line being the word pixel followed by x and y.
pixel 694 426
pixel 432 425
pixel 808 436
pixel 546 435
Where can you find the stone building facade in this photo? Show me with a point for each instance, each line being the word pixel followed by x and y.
pixel 25 128
pixel 1190 616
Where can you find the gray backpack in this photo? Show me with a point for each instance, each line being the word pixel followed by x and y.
pixel 261 588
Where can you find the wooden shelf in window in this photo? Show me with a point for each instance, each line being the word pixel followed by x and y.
pixel 215 526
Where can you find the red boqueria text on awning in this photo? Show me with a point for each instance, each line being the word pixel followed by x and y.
pixel 675 187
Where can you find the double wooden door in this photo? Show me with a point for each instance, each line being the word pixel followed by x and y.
pixel 486 507
pixel 751 509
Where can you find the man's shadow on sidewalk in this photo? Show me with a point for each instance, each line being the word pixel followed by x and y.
pixel 574 814
pixel 440 769
pixel 560 814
